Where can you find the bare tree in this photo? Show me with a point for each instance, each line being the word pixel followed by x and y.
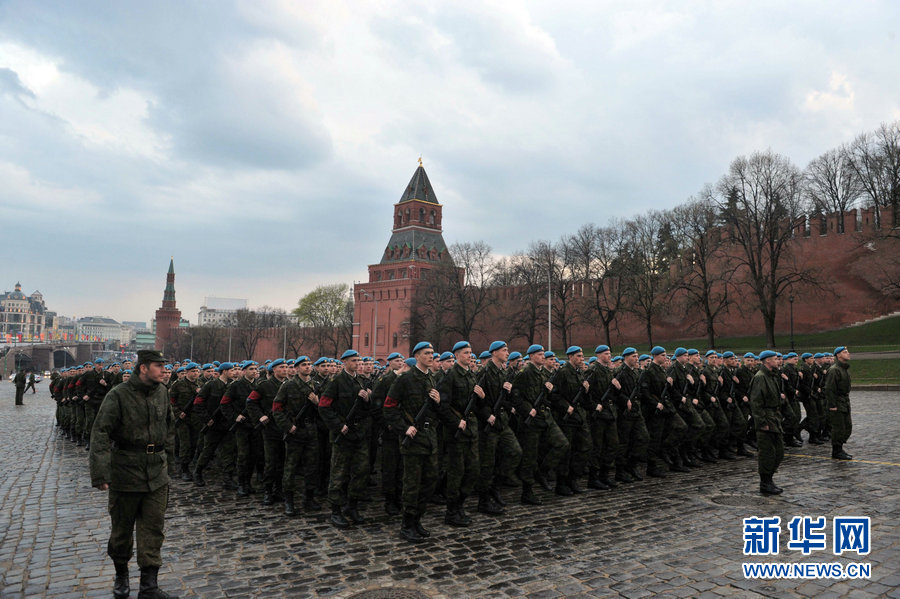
pixel 760 198
pixel 526 311
pixel 247 332
pixel 648 249
pixel 327 311
pixel 876 159
pixel 557 259
pixel 704 271
pixel 599 262
pixel 833 184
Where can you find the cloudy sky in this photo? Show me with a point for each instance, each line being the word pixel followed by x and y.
pixel 263 143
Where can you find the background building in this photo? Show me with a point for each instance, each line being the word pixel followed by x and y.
pixel 168 316
pixel 219 311
pixel 22 316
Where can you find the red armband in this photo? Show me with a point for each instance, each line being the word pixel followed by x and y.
pixel 390 402
pixel 277 406
pixel 254 396
pixel 325 401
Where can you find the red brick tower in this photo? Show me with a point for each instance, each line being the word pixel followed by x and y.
pixel 168 317
pixel 382 307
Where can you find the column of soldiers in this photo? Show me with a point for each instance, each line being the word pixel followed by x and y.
pixel 452 426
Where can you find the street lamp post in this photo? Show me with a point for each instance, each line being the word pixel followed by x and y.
pixel 791 302
pixel 549 302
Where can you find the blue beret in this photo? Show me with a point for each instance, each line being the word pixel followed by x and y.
pixel 410 361
pixel 617 359
pixel 290 361
pixel 806 355
pixel 839 349
pixel 533 349
pixel 168 367
pixel 368 359
pixel 679 352
pixel 574 349
pixel 485 355
pixel 301 360
pixel 445 356
pixel 350 353
pixel 728 354
pixel 208 367
pixel 460 345
pixel 267 361
pixel 128 371
pixel 99 361
pixel 750 354
pixel 827 354
pixel 767 354
pixel 320 360
pixel 496 345
pixel 693 352
pixel 601 348
pixel 514 356
pixel 592 359
pixel 86 365
pixel 658 349
pixel 422 345
pixel 277 362
pixel 225 366
pixel 180 369
pixel 192 366
pixel 643 357
pixel 628 351
pixel 818 355
pixel 216 363
pixel 790 355
pixel 549 354
pixel 247 364
pixel 394 355
pixel 711 352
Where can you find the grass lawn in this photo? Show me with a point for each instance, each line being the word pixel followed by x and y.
pixel 875 372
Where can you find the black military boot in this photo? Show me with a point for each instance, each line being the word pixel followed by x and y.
pixel 795 442
pixel 838 453
pixel 79 441
pixel 573 484
pixel 228 482
pixel 452 516
pixel 408 529
pixel 633 471
pixel 337 517
pixel 605 479
pixel 708 456
pixel 686 458
pixel 498 499
pixel 725 453
pixel 309 501
pixel 562 486
pixel 594 481
pixel 766 486
pixel 268 498
pixel 277 492
pixel 289 504
pixel 678 462
pixel 121 587
pixel 149 588
pixel 528 496
pixel 486 505
pixel 655 470
pixel 815 440
pixel 541 477
pixel 198 476
pixel 87 444
pixel 391 507
pixel 417 522
pixel 186 475
pixel 743 451
pixel 352 512
pixel 622 476
pixel 243 489
pixel 462 509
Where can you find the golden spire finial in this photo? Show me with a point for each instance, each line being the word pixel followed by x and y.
pixel 420 160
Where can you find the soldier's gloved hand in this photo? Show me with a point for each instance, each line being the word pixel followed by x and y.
pixel 479 391
pixel 410 432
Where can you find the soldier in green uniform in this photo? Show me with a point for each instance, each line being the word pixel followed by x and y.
pixel 259 410
pixel 207 405
pixel 458 388
pixel 294 410
pixel 537 428
pixel 681 380
pixel 665 427
pixel 391 463
pixel 182 395
pixel 710 398
pixel 321 375
pixel 820 369
pixel 633 435
pixel 811 422
pixel 744 373
pixel 601 412
pixel 837 398
pixel 566 404
pixel 132 457
pixel 790 377
pixel 92 387
pixel 737 420
pixel 345 408
pixel 701 447
pixel 765 403
pixel 413 402
pixel 234 411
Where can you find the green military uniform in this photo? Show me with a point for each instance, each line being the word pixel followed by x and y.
pixel 132 452
pixel 94 384
pixel 182 395
pixel 217 436
pixel 765 404
pixel 665 426
pixel 684 407
pixel 292 407
pixel 248 442
pixel 494 439
pixel 633 435
pixel 460 446
pixel 604 432
pixel 19 382
pixel 391 462
pixel 837 398
pixel 350 450
pixel 259 404
pixel 790 410
pixel 539 431
pixel 819 372
pixel 574 426
pixel 406 400
pixel 709 400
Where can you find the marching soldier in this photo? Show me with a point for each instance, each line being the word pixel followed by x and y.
pixel 567 407
pixel 791 408
pixel 259 409
pixel 391 463
pixel 602 420
pixel 666 429
pixel 765 403
pixel 812 421
pixel 837 397
pixel 182 395
pixel 710 400
pixel 633 435
pixel 208 406
pixel 234 412
pixel 92 386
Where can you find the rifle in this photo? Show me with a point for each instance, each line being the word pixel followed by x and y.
pixel 236 423
pixel 351 416
pixel 637 386
pixel 496 406
pixel 575 400
pixel 470 405
pixel 212 417
pixel 539 402
pixel 419 420
pixel 299 417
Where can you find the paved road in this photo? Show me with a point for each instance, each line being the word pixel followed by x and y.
pixel 677 537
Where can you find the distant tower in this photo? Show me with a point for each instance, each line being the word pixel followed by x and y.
pixel 415 248
pixel 168 317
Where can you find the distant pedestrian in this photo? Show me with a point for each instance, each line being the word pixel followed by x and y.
pixel 31 382
pixel 19 382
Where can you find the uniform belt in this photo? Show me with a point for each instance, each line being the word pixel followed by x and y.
pixel 150 448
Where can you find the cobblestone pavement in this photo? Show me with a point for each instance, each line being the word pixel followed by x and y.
pixel 676 537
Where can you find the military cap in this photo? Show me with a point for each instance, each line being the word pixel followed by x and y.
pixel 549 354
pixel 368 359
pixel 806 355
pixel 643 357
pixel 86 365
pixel 128 371
pixel 99 361
pixel 574 349
pixel 410 361
pixel 460 345
pixel 658 349
pixel 693 352
pixel 592 359
pixel 750 354
pixel 728 354
pixel 818 355
pixel 445 356
pixel 617 359
pixel 394 356
pixel 420 346
pixel 275 363
pixel 496 345
pixel 765 354
pixel 320 361
pixel 485 355
pixel 301 360
pixel 179 369
pixel 601 348
pixel 680 351
pixel 790 355
pixel 149 355
pixel 268 361
pixel 514 356
pixel 828 354
pixel 247 364
pixel 628 351
pixel 209 366
pixel 167 366
pixel 350 353
pixel 224 366
pixel 534 349
pixel 839 349
pixel 711 352
pixel 191 366
pixel 216 363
